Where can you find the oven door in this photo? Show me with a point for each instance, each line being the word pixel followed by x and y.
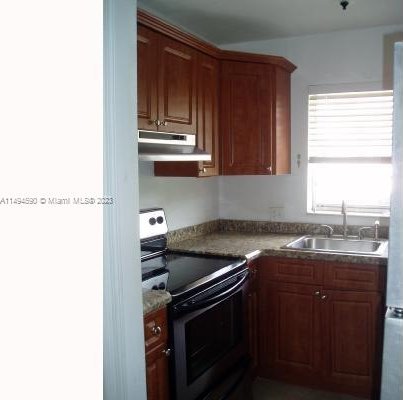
pixel 208 334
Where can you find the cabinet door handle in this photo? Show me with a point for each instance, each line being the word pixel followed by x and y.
pixel 164 123
pixel 317 293
pixel 156 122
pixel 167 352
pixel 268 169
pixel 203 170
pixel 156 330
pixel 324 297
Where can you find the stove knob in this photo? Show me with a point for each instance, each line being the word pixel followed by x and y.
pixel 161 286
pixel 152 221
pixel 160 220
pixel 155 287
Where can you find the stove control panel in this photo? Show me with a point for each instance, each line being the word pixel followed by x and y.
pixel 158 282
pixel 152 223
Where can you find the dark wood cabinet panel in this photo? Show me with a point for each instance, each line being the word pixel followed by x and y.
pixel 180 81
pixel 354 277
pixel 282 126
pixel 156 338
pixel 166 92
pixel 290 331
pixel 326 330
pixel 246 118
pixel 351 331
pixel 293 270
pixel 157 374
pixel 176 87
pixel 147 100
pixel 155 329
pixel 207 131
pixel 207 125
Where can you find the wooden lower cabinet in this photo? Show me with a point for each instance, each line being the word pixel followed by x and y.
pixel 290 332
pixel 318 335
pixel 157 374
pixel 351 335
pixel 156 342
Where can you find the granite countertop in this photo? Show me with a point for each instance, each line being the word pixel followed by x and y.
pixel 155 299
pixel 253 245
pixel 249 246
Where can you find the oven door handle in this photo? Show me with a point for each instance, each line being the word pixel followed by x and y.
pixel 191 306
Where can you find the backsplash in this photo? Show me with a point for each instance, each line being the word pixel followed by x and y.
pixel 230 225
pixel 192 231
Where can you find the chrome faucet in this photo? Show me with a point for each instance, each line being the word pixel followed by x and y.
pixel 376 230
pixel 344 213
pixel 362 230
pixel 329 229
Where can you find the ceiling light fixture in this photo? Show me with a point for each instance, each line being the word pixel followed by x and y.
pixel 344 4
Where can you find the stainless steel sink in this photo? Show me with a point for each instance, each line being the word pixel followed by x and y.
pixel 339 245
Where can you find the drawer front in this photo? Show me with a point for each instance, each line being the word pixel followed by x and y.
pixel 155 329
pixel 292 270
pixel 355 277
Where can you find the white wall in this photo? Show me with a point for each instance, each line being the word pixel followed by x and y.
pixel 186 201
pixel 330 58
pixel 124 359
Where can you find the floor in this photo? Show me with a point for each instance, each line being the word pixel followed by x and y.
pixel 264 389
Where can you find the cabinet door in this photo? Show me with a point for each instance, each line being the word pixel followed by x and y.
pixel 147 97
pixel 207 107
pixel 289 331
pixel 157 374
pixel 351 331
pixel 176 87
pixel 282 135
pixel 207 125
pixel 246 118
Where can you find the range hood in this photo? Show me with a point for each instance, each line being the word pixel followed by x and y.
pixel 158 146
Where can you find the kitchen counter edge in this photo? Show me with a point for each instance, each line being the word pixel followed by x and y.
pixel 252 246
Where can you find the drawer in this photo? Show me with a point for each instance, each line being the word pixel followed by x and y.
pixel 292 270
pixel 155 329
pixel 354 277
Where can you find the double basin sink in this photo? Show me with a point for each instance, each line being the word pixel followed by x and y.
pixel 339 245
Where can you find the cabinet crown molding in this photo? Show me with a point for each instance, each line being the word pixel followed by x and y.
pixel 146 19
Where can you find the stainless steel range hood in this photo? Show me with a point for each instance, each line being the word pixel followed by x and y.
pixel 157 146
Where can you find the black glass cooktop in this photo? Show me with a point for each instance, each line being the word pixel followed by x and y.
pixel 186 271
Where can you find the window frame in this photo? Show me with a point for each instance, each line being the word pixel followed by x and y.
pixel 334 210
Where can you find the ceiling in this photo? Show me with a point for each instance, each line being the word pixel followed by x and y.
pixel 232 21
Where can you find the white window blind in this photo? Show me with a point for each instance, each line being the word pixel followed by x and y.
pixel 351 125
pixel 349 136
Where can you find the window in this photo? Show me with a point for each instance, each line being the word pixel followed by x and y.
pixel 349 152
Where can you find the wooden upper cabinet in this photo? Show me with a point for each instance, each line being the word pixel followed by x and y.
pixel 246 118
pixel 207 124
pixel 176 87
pixel 255 119
pixel 166 84
pixel 281 133
pixel 207 131
pixel 238 104
pixel 147 100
